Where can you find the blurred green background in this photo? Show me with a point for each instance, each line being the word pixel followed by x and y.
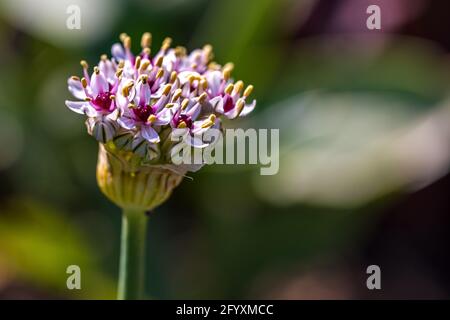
pixel 364 119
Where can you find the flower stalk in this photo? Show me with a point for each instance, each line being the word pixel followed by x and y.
pixel 132 255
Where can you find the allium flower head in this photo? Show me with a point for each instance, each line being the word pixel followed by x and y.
pixel 135 103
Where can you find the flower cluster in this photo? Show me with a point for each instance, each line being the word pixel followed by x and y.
pixel 137 101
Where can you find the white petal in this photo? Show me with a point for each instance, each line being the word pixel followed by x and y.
pixel 76 88
pixel 126 122
pixel 98 83
pixel 81 107
pixel 149 134
pixel 248 108
pixel 117 52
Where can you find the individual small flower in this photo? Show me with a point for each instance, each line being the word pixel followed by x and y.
pixel 97 94
pixel 226 96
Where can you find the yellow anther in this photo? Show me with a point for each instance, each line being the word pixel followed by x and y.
pixel 202 97
pixel 152 118
pixel 84 64
pixel 166 43
pixel 167 89
pixel 87 99
pixel 131 105
pixel 96 70
pixel 180 51
pixel 210 122
pixel 159 61
pixel 173 76
pixel 248 91
pixel 84 82
pixel 229 88
pixel 122 36
pixel 127 42
pixel 226 74
pixel 169 105
pixel 238 86
pixel 147 51
pixel 137 63
pixel 121 64
pixel 213 66
pixel 146 40
pixel 194 66
pixel 208 51
pixel 144 65
pixel 119 72
pixel 103 57
pixel 112 97
pixel 204 84
pixel 182 125
pixel 229 65
pixel 144 78
pixel 176 94
pixel 126 88
pixel 160 73
pixel 184 104
pixel 75 78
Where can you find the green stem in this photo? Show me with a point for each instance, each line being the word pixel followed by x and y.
pixel 132 255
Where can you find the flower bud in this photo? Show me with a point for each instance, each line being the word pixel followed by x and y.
pixel 130 184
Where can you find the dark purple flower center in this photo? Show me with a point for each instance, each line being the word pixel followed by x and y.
pixel 103 102
pixel 228 103
pixel 142 113
pixel 186 120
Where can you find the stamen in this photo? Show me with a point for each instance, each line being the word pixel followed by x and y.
pixel 144 78
pixel 84 64
pixel 84 82
pixel 207 50
pixel 176 94
pixel 240 105
pixel 147 51
pixel 119 73
pixel 146 40
pixel 96 70
pixel 167 89
pixel 127 42
pixel 173 76
pixel 160 73
pixel 112 97
pixel 131 105
pixel 166 43
pixel 210 122
pixel 159 61
pixel 202 97
pixel 144 65
pixel 229 88
pixel 152 118
pixel 226 74
pixel 184 104
pixel 180 51
pixel 169 105
pixel 182 125
pixel 103 57
pixel 248 91
pixel 137 63
pixel 238 86
pixel 126 88
pixel 121 64
pixel 75 78
pixel 122 36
